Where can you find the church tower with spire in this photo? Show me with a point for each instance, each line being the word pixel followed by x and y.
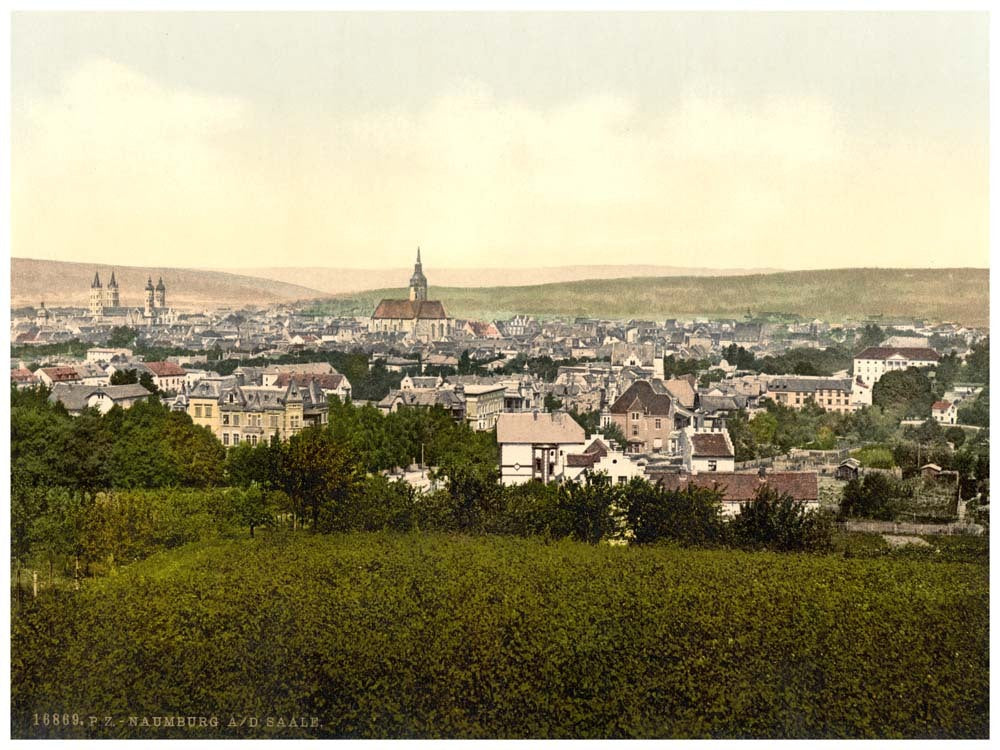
pixel 111 298
pixel 96 296
pixel 148 312
pixel 161 294
pixel 418 282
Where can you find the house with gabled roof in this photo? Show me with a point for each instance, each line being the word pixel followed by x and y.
pixel 242 413
pixel 535 445
pixel 77 397
pixel 647 415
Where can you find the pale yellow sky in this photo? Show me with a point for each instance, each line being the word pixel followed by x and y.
pixel 724 140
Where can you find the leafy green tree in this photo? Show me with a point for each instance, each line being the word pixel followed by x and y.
pixel 955 435
pixel 251 507
pixel 552 403
pixel 122 337
pixel 614 433
pixel 871 335
pixel 779 522
pixel 875 496
pixel 124 377
pixel 908 393
pixel 691 516
pixel 978 412
pixel 321 475
pixel 146 381
pixel 977 363
pixel 948 370
pixel 714 375
pixel 591 509
pixel 743 436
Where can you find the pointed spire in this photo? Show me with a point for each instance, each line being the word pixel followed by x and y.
pixel 418 255
pixel 149 283
pixel 97 281
pixel 112 283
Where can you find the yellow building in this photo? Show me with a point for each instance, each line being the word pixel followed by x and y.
pixel 238 414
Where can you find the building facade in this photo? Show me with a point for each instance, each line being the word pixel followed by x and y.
pixel 483 405
pixel 535 445
pixel 250 414
pixel 417 316
pixel 872 363
pixel 830 394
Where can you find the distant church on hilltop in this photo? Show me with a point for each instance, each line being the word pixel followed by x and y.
pixel 417 316
pixel 105 303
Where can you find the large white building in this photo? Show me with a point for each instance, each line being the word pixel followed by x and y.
pixel 534 445
pixel 875 361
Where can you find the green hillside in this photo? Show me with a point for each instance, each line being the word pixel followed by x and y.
pixel 958 294
pixel 432 635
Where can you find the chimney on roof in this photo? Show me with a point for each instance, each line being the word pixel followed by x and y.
pixel 534 413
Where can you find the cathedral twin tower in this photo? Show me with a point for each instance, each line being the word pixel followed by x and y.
pixel 106 300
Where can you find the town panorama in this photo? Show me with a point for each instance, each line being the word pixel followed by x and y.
pixel 499 375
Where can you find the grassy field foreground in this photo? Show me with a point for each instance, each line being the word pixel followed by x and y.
pixel 425 635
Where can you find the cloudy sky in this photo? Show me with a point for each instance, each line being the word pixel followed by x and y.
pixel 723 140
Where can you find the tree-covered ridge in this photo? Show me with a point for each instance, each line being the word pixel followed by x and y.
pixel 958 294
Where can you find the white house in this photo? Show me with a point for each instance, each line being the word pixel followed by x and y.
pixel 599 458
pixel 77 398
pixel 707 451
pixel 535 445
pixel 944 412
pixel 875 361
pixel 106 354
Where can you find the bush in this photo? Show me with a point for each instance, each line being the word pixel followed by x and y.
pixel 692 516
pixel 779 522
pixel 876 496
pixel 875 457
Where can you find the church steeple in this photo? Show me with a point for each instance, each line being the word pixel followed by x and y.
pixel 418 282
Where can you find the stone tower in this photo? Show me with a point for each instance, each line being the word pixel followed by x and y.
pixel 149 298
pixel 42 316
pixel 96 296
pixel 418 282
pixel 161 294
pixel 111 298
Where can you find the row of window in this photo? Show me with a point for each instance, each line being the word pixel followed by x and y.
pixel 198 412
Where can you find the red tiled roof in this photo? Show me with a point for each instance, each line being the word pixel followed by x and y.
pixel 404 309
pixel 801 485
pixel 165 369
pixel 941 405
pixel 711 444
pixel 22 375
pixel 61 374
pixel 922 354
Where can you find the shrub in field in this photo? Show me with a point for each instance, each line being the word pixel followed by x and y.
pixel 779 522
pixel 428 635
pixel 691 516
pixel 876 496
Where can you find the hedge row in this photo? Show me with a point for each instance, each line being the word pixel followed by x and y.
pixel 429 635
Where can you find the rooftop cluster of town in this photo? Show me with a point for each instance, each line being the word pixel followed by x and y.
pixel 674 425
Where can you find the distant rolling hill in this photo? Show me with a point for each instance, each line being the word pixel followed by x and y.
pixel 344 280
pixel 955 294
pixel 62 283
